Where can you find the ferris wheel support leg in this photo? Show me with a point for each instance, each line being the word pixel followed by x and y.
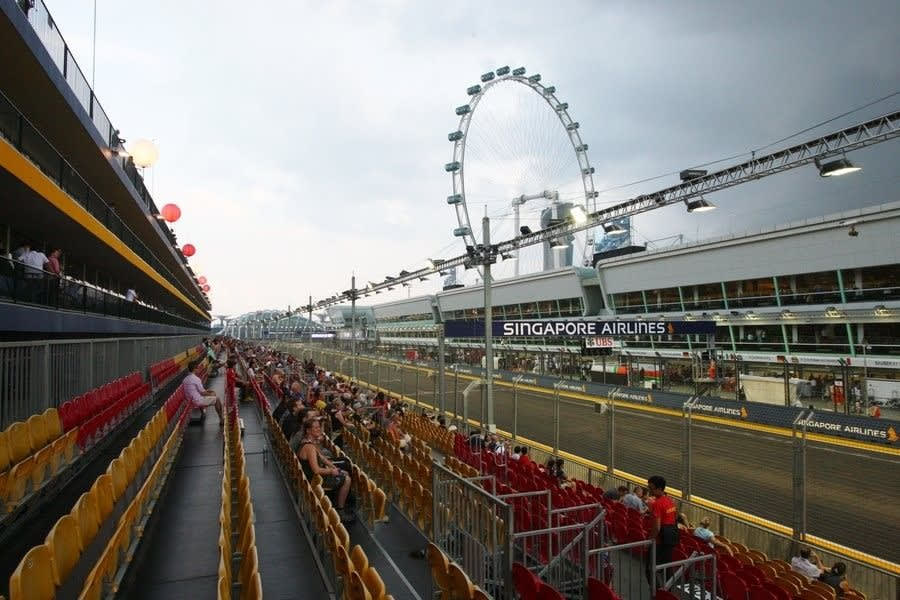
pixel 488 417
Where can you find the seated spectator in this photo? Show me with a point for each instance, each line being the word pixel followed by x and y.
pixel 703 532
pixel 616 494
pixel 334 480
pixel 633 499
pixel 198 395
pixel 808 564
pixel 683 523
pixel 476 440
pixel 293 419
pixel 517 451
pixel 836 578
pixel 395 433
pixel 524 458
pixel 278 413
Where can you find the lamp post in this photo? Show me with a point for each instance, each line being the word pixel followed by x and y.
pixel 353 327
pixel 865 381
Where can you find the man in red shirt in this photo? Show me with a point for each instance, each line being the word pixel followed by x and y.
pixel 665 528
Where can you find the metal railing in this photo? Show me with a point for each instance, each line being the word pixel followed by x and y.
pixel 25 138
pixel 35 376
pixel 20 283
pixel 749 495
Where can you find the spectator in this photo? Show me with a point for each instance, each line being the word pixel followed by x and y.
pixel 704 533
pixel 131 295
pixel 232 381
pixel 524 458
pixel 21 251
pixel 282 406
pixel 683 523
pixel 835 577
pixel 616 494
pixel 633 499
pixel 517 451
pixel 808 564
pixel 334 480
pixel 293 420
pixel 198 395
pixel 664 527
pixel 34 262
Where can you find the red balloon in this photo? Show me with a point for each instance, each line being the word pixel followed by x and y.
pixel 205 288
pixel 170 212
pixel 201 280
pixel 188 250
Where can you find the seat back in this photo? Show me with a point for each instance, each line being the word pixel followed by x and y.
pixel 5 451
pixel 597 590
pixel 37 430
pixel 87 518
pixel 33 578
pixel 19 442
pixel 103 490
pixel 374 583
pixel 65 547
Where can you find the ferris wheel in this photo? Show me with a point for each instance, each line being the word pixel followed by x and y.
pixel 518 158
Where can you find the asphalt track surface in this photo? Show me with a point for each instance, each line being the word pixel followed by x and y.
pixel 852 495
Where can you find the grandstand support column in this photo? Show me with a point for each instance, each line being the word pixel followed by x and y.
pixel 687 412
pixel 442 386
pixel 787 384
pixel 798 508
pixel 556 418
pixel 488 258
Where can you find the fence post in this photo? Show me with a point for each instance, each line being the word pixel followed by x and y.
pixel 556 418
pixel 46 382
pixel 686 448
pixel 456 392
pixel 611 439
pixel 90 377
pixel 798 508
pixel 515 427
pixel 417 387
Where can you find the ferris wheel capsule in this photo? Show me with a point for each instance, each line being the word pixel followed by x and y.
pixel 562 106
pixel 454 199
pixel 572 126
pixel 461 110
pixel 456 135
pixel 487 77
pixel 473 90
pixel 518 72
pixel 462 231
pixel 502 71
pixel 535 78
pixel 452 166
pixel 550 90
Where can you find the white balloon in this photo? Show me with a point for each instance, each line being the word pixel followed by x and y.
pixel 144 153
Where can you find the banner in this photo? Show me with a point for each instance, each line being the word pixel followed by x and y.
pixel 579 328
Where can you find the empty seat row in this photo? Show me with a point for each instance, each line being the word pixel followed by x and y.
pixel 238 559
pixel 451 580
pixel 107 573
pixel 80 409
pixel 46 566
pixel 31 454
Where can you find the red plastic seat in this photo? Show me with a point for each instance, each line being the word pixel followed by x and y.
pixel 597 590
pixel 758 592
pixel 549 593
pixel 664 595
pixel 733 587
pixel 526 583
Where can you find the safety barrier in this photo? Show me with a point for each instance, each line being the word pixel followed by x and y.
pixel 35 376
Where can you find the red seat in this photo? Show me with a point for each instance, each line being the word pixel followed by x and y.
pixel 597 590
pixel 779 593
pixel 758 592
pixel 664 595
pixel 526 583
pixel 549 593
pixel 733 587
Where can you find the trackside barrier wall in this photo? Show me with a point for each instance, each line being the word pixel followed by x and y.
pixel 876 577
pixel 35 376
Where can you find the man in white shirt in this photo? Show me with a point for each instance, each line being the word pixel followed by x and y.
pixel 808 564
pixel 130 295
pixel 34 261
pixel 197 395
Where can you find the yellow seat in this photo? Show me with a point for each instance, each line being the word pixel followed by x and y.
pixel 93 586
pixel 249 566
pixel 117 472
pixel 52 424
pixel 358 589
pixel 359 559
pixel 37 431
pixel 19 442
pixel 254 590
pixel 460 585
pixel 5 452
pixel 87 517
pixel 439 565
pixel 103 491
pixel 19 483
pixel 374 584
pixel 65 547
pixel 224 588
pixel 43 466
pixel 33 579
pixel 65 446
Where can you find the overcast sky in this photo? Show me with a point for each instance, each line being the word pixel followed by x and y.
pixel 306 140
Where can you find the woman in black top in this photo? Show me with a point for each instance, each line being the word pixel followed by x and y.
pixel 836 579
pixel 313 463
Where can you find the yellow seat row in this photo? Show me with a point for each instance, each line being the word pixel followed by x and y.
pixel 355 578
pixel 31 453
pixel 45 567
pixel 242 536
pixel 371 498
pixel 450 579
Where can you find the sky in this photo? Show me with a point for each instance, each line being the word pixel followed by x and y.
pixel 306 141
